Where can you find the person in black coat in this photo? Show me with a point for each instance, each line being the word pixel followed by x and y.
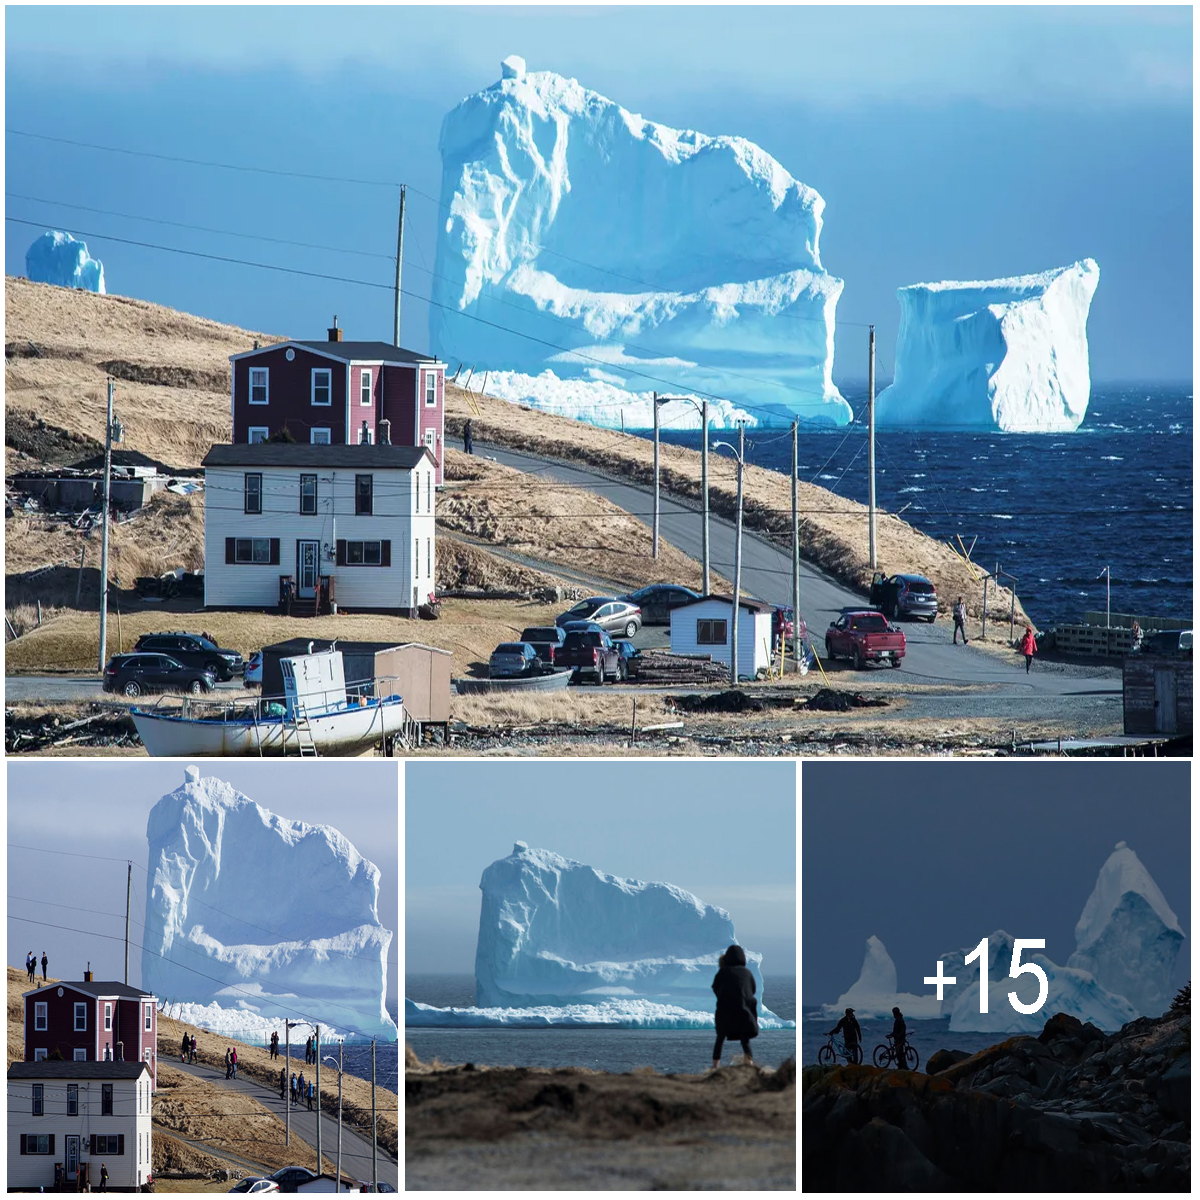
pixel 737 1010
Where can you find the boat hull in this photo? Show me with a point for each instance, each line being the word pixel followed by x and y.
pixel 554 682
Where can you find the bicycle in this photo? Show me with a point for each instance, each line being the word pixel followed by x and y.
pixel 885 1056
pixel 829 1053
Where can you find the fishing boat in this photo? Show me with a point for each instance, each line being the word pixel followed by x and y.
pixel 552 681
pixel 317 715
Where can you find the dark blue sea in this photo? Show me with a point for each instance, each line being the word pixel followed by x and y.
pixel 357 1058
pixel 1051 509
pixel 926 1036
pixel 617 1050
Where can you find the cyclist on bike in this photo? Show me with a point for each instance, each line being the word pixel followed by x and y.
pixel 851 1034
pixel 899 1038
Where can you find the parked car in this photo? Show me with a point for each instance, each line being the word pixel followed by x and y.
pixel 545 639
pixel 864 636
pixel 289 1177
pixel 590 655
pixel 612 615
pixel 514 660
pixel 252 676
pixel 657 600
pixel 140 674
pixel 580 627
pixel 628 652
pixel 1170 643
pixel 194 650
pixel 254 1184
pixel 904 596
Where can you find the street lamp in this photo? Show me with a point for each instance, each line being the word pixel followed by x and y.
pixel 338 1063
pixel 701 406
pixel 114 431
pixel 288 1026
pixel 740 454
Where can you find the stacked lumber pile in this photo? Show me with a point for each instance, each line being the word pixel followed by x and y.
pixel 662 667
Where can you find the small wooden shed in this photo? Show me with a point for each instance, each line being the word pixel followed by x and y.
pixel 1157 694
pixel 705 627
pixel 422 676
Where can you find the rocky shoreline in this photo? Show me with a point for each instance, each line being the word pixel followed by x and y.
pixel 1073 1109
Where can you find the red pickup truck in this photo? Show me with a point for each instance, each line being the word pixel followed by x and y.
pixel 589 653
pixel 864 636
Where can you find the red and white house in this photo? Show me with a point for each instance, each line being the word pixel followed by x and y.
pixel 92 1021
pixel 336 392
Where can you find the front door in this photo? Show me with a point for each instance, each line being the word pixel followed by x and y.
pixel 72 1156
pixel 1165 719
pixel 308 558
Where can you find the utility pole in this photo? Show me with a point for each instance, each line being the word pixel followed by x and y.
pixel 399 261
pixel 128 890
pixel 795 552
pixel 374 1142
pixel 705 582
pixel 871 447
pixel 339 1150
pixel 655 546
pixel 108 432
pixel 737 557
pixel 317 1044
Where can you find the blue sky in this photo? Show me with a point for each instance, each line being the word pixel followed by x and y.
pixel 947 142
pixel 100 808
pixel 725 831
pixel 931 857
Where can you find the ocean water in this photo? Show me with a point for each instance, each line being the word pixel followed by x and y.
pixel 1051 509
pixel 356 1058
pixel 666 1050
pixel 927 1036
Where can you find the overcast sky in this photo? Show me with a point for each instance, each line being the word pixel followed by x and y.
pixel 100 808
pixel 724 831
pixel 931 857
pixel 949 142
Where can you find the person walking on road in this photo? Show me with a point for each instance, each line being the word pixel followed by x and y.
pixel 233 1060
pixel 283 1083
pixel 228 1063
pixel 187 1045
pixel 960 620
pixel 310 1095
pixel 468 438
pixel 737 1010
pixel 1028 647
pixel 103 1177
pixel 45 963
pixel 293 1089
pixel 193 1047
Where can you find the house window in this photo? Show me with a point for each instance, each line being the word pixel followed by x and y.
pixel 148 1017
pixel 322 386
pixel 39 1015
pixel 430 440
pixel 72 1099
pixel 711 633
pixel 429 558
pixel 80 1054
pixel 39 1055
pixel 416 561
pixel 430 389
pixel 429 492
pixel 38 1143
pixel 108 1016
pixel 106 1090
pixel 252 493
pixel 38 1093
pixel 308 495
pixel 258 433
pixel 252 550
pixel 364 554
pixel 107 1144
pixel 364 487
pixel 81 1018
pixel 364 388
pixel 258 385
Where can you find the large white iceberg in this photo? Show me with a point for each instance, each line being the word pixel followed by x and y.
pixel 563 943
pixel 59 259
pixel 581 238
pixel 1006 354
pixel 873 994
pixel 252 911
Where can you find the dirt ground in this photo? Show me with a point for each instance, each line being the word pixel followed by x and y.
pixel 506 1128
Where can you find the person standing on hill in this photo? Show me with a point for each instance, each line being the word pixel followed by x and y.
pixel 45 963
pixel 468 439
pixel 960 620
pixel 233 1061
pixel 187 1045
pixel 293 1098
pixel 899 1037
pixel 737 1009
pixel 283 1083
pixel 1028 647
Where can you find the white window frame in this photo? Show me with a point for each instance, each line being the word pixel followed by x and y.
pixel 266 385
pixel 264 430
pixel 41 1016
pixel 81 1014
pixel 316 485
pixel 428 491
pixel 430 440
pixel 429 558
pixel 108 1016
pixel 364 388
pixel 327 440
pixel 72 1099
pixel 148 1010
pixel 146 1055
pixel 328 373
pixel 39 1055
pixel 431 385
pixel 80 1054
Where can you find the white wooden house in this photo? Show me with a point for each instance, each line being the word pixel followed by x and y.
pixel 79 1115
pixel 705 626
pixel 360 516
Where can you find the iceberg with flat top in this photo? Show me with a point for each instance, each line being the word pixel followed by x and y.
pixel 1005 354
pixel 563 943
pixel 583 239
pixel 59 259
pixel 250 911
pixel 873 994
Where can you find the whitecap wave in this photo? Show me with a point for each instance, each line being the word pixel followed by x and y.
pixel 626 1014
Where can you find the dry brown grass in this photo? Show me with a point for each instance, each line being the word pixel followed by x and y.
pixel 585 707
pixel 462 567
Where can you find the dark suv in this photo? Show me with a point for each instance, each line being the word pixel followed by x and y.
pixel 194 650
pixel 139 673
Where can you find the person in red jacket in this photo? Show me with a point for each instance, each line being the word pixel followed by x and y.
pixel 1028 647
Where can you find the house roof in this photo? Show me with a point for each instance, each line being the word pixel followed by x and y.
pixel 305 454
pixel 97 988
pixel 53 1069
pixel 744 602
pixel 350 352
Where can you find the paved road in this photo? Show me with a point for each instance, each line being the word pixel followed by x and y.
pixel 356 1150
pixel 50 688
pixel 767 573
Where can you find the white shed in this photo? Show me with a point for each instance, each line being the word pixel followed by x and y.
pixel 704 627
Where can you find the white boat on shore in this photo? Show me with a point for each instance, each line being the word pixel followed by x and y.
pixel 316 716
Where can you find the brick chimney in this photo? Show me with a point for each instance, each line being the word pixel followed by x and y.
pixel 384 428
pixel 87 975
pixel 335 334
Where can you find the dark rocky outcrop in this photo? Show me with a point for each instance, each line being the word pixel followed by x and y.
pixel 1073 1109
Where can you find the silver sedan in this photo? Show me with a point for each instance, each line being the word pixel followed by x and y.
pixel 614 616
